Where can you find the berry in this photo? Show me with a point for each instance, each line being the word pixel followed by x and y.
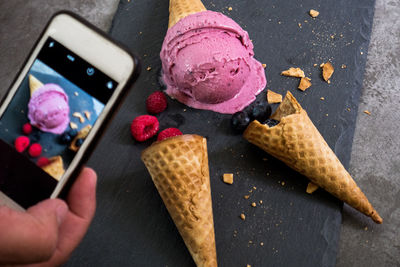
pixel 240 120
pixel 35 150
pixel 21 143
pixel 271 122
pixel 260 111
pixel 169 132
pixel 43 161
pixel 65 138
pixel 72 133
pixel 27 128
pixel 79 142
pixel 156 102
pixel 144 127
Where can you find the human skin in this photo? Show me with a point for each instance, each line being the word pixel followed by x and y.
pixel 47 233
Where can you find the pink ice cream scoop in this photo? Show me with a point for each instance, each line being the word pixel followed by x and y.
pixel 207 61
pixel 49 109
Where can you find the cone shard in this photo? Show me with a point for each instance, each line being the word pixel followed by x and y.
pixel 34 84
pixel 298 143
pixel 178 9
pixel 179 169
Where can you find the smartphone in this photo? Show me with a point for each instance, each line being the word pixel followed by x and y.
pixel 57 107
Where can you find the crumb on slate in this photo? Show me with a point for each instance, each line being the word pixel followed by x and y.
pixel 242 216
pixel 228 178
pixel 273 97
pixel 304 83
pixel 293 72
pixel 313 13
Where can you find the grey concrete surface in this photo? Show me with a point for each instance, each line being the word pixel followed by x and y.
pixel 23 20
pixel 375 158
pixel 375 163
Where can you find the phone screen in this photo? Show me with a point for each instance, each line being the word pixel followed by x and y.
pixel 47 120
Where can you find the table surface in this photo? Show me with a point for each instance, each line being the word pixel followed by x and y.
pixel 359 245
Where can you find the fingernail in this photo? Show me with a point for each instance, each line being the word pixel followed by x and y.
pixel 61 212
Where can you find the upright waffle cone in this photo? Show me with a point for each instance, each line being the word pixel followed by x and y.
pixel 178 9
pixel 34 83
pixel 179 169
pixel 297 143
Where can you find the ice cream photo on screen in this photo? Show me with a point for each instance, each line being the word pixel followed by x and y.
pixel 208 60
pixel 49 118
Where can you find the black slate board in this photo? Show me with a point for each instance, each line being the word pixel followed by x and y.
pixel 132 226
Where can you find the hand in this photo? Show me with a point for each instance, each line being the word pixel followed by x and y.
pixel 47 233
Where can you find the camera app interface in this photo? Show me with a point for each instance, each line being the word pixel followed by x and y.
pixel 47 121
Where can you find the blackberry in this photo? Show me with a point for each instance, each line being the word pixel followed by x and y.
pixel 79 142
pixel 260 111
pixel 240 120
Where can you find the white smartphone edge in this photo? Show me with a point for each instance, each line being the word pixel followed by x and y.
pixel 98 51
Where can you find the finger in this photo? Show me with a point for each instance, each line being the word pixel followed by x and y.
pixel 31 236
pixel 82 197
pixel 82 204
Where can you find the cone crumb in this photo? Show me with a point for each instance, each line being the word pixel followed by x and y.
pixel 248 265
pixel 261 201
pixel 343 66
pixel 242 216
pixel 87 114
pixel 228 178
pixel 293 72
pixel 264 65
pixel 283 183
pixel 304 84
pixel 230 8
pixel 311 188
pixel 253 204
pixel 79 116
pixel 367 112
pixel 327 71
pixel 73 125
pixel 148 68
pixel 246 197
pixel 322 98
pixel 273 97
pixel 313 13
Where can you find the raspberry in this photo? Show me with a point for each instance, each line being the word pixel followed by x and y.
pixel 35 150
pixel 144 127
pixel 156 102
pixel 21 143
pixel 169 132
pixel 43 161
pixel 27 128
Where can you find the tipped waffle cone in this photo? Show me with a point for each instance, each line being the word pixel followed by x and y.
pixel 178 9
pixel 55 168
pixel 179 169
pixel 34 83
pixel 298 143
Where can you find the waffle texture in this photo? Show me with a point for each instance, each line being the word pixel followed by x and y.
pixel 178 9
pixel 34 84
pixel 298 143
pixel 179 169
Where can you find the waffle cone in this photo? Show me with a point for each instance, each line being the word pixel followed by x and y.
pixel 179 169
pixel 298 143
pixel 34 84
pixel 178 9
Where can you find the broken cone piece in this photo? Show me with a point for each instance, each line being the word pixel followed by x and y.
pixel 327 71
pixel 298 143
pixel 293 72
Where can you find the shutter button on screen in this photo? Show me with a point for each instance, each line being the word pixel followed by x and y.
pixel 90 71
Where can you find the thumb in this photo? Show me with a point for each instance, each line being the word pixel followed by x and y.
pixel 31 236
